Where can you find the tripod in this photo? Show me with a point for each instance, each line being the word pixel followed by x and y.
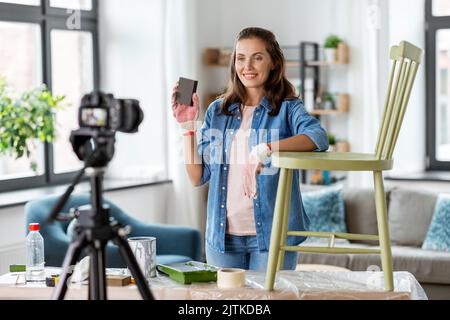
pixel 94 231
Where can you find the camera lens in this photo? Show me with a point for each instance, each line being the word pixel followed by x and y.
pixel 131 117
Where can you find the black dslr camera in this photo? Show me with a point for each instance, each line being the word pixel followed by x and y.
pixel 100 116
pixel 104 112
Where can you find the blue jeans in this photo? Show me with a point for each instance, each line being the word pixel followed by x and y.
pixel 242 252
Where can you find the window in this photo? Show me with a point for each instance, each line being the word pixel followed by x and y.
pixel 443 79
pixel 437 91
pixel 72 4
pixel 45 46
pixel 24 2
pixel 72 75
pixel 441 8
pixel 20 59
pixel 22 68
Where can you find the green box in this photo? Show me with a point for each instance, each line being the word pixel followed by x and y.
pixel 188 272
pixel 17 268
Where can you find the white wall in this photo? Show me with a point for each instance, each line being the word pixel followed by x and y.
pixel 290 20
pixel 12 221
pixel 295 20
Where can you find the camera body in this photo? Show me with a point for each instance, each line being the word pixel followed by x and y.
pixel 104 112
pixel 100 116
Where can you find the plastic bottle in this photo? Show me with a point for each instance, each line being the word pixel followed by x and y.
pixel 35 254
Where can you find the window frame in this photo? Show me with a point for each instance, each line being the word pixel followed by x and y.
pixel 49 18
pixel 61 12
pixel 432 25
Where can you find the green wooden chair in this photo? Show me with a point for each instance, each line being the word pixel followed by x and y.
pixel 406 59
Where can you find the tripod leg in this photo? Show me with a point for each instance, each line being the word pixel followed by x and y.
pixel 97 273
pixel 70 259
pixel 130 260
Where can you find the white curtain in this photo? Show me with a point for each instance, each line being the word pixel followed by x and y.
pixel 367 70
pixel 187 205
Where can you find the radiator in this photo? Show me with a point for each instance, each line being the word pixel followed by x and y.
pixel 12 254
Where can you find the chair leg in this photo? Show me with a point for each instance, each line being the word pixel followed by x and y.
pixel 286 211
pixel 275 239
pixel 383 231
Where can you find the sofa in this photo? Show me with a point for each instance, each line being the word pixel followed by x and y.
pixel 173 243
pixel 410 213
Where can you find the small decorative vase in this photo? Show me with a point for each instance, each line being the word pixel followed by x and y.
pixel 330 54
pixel 328 105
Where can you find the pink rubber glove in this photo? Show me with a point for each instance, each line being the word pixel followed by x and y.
pixel 185 115
pixel 252 168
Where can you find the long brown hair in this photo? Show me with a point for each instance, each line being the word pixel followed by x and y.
pixel 277 87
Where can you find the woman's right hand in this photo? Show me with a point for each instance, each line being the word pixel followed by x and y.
pixel 185 115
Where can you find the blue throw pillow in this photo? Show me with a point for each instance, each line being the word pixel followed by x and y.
pixel 438 235
pixel 325 209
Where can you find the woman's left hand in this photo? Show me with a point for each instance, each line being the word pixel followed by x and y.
pixel 253 167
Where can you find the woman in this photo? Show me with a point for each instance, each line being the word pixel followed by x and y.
pixel 259 112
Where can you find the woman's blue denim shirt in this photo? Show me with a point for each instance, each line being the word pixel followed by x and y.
pixel 214 142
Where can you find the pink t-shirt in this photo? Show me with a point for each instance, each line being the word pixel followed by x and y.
pixel 240 216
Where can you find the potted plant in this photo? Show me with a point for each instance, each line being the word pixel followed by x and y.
pixel 332 142
pixel 331 44
pixel 26 119
pixel 328 101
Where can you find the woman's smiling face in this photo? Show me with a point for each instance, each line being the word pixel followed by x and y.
pixel 253 63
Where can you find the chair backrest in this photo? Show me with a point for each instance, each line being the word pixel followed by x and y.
pixel 406 59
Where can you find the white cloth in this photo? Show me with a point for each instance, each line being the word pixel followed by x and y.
pixel 186 204
pixel 81 271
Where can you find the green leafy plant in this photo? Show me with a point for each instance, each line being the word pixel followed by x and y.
pixel 328 97
pixel 332 41
pixel 331 139
pixel 25 119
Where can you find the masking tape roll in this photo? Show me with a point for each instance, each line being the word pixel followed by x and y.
pixel 228 278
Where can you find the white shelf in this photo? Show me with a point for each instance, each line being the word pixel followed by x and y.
pixel 324 64
pixel 326 112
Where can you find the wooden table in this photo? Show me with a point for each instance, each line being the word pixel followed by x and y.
pixel 290 285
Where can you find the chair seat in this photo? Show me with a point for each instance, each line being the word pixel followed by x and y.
pixel 338 161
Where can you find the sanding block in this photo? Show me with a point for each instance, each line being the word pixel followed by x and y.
pixel 186 88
